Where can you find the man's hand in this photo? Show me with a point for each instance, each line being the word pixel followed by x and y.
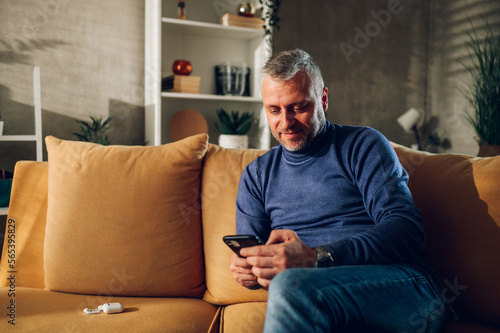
pixel 284 249
pixel 242 272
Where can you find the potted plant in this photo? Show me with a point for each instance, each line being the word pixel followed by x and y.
pixel 95 131
pixel 233 129
pixel 483 89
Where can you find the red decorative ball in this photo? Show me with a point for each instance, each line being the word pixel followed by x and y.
pixel 182 67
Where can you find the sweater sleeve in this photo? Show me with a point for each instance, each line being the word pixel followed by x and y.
pixel 398 232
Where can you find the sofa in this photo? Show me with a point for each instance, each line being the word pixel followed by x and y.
pixel 143 226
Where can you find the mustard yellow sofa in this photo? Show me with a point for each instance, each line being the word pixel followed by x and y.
pixel 143 226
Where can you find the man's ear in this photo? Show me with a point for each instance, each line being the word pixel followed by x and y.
pixel 324 99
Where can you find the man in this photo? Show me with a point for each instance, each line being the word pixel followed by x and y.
pixel 344 240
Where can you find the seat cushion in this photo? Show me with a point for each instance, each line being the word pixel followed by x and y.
pixel 460 202
pixel 125 220
pixel 243 317
pixel 221 173
pixel 38 310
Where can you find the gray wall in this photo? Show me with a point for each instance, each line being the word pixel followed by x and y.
pixel 408 60
pixel 91 57
pixel 448 77
pixel 374 75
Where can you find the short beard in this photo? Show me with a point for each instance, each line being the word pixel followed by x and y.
pixel 305 141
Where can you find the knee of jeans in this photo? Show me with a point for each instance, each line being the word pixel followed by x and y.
pixel 290 280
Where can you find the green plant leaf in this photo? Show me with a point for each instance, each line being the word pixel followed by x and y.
pixel 483 89
pixel 234 123
pixel 95 130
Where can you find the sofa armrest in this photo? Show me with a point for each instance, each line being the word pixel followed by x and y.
pixel 25 227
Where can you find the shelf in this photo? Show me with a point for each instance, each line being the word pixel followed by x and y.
pixel 205 43
pixel 18 138
pixel 210 29
pixel 4 210
pixel 211 97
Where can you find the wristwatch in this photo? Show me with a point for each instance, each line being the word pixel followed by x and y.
pixel 323 257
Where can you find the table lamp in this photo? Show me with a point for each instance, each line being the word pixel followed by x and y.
pixel 410 121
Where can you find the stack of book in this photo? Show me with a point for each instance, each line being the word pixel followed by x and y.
pixel 181 84
pixel 242 21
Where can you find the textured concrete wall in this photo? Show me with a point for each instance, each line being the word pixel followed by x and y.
pixel 376 57
pixel 91 56
pixel 381 57
pixel 448 77
pixel 373 54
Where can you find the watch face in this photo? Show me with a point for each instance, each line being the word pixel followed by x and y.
pixel 325 262
pixel 323 258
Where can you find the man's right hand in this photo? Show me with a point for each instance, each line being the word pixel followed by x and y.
pixel 242 272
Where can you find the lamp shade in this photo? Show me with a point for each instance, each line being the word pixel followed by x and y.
pixel 410 118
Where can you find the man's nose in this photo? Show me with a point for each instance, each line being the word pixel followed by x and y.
pixel 287 119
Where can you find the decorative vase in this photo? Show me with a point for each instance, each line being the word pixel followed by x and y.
pixel 246 9
pixel 182 67
pixel 1 128
pixel 486 150
pixel 233 141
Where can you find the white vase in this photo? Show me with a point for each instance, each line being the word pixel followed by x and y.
pixel 1 128
pixel 233 141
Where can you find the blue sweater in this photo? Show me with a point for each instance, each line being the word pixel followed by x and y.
pixel 347 192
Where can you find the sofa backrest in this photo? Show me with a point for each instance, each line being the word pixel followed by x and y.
pixel 25 230
pixel 221 173
pixel 459 198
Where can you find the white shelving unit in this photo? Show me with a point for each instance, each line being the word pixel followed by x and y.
pixel 37 137
pixel 205 43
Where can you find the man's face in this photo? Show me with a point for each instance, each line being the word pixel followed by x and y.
pixel 294 112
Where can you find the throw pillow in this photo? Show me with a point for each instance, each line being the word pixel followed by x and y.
pixel 124 220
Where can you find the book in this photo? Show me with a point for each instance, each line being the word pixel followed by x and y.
pixel 242 21
pixel 181 83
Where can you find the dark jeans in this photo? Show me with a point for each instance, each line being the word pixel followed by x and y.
pixel 375 298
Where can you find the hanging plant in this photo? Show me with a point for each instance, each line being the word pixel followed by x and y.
pixel 271 18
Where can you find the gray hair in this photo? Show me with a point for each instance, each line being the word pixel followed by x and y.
pixel 286 64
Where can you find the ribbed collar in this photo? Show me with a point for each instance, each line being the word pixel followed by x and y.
pixel 313 149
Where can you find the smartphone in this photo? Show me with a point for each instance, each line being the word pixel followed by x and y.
pixel 237 242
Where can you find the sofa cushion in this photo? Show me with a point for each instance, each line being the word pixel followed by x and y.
pixel 243 317
pixel 39 310
pixel 124 220
pixel 460 202
pixel 221 173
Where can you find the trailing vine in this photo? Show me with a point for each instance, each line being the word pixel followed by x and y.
pixel 270 17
